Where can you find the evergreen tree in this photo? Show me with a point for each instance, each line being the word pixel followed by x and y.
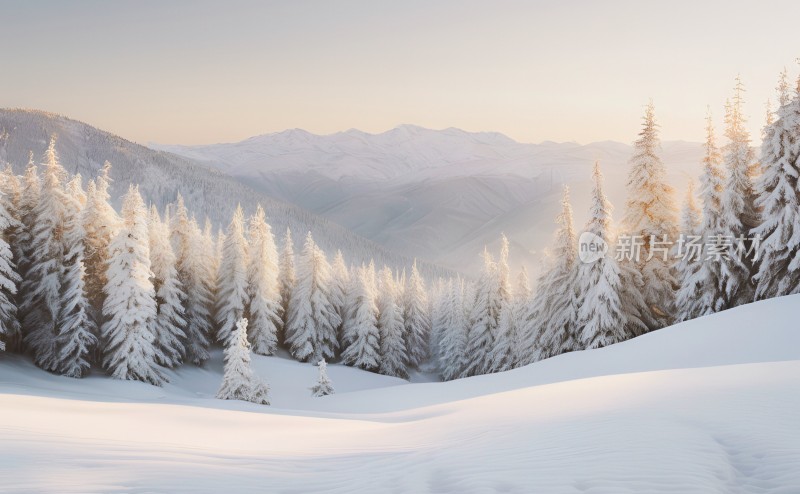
pixel 170 323
pixel 239 381
pixel 779 269
pixel 100 223
pixel 131 350
pixel 75 327
pixel 502 354
pixel 9 325
pixel 232 282
pixel 416 318
pixel 482 321
pixel 393 359
pixel 454 336
pixel 339 284
pixel 211 260
pixel 188 244
pixel 651 216
pixel 601 318
pixel 312 321
pixel 324 386
pixel 521 303
pixel 556 294
pixel 362 333
pixel 54 288
pixel 286 278
pixel 690 263
pixel 739 212
pixel 22 246
pixel 263 290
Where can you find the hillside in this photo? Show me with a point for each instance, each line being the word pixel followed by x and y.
pixel 436 194
pixel 719 397
pixel 161 175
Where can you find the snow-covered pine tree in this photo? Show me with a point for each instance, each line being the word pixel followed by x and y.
pixel 689 263
pixel 601 319
pixel 187 241
pixel 777 188
pixel 453 344
pixel 324 386
pixel 211 260
pixel 232 280
pixel 651 217
pixel 502 353
pixel 556 294
pixel 76 328
pixel 49 320
pixel 100 223
pixel 416 318
pixel 286 280
pixel 739 211
pixel 393 359
pixel 339 285
pixel 131 350
pixel 521 303
pixel 22 247
pixel 170 323
pixel 264 304
pixel 9 325
pixel 361 332
pixel 482 321
pixel 312 321
pixel 239 381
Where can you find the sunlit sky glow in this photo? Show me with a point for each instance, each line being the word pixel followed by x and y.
pixel 198 71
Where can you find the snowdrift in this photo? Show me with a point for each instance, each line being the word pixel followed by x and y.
pixel 705 406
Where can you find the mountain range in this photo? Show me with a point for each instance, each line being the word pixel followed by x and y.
pixel 440 195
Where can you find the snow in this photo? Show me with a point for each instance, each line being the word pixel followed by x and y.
pixel 709 405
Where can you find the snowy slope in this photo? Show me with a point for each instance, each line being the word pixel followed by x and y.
pixel 207 192
pixel 436 194
pixel 706 406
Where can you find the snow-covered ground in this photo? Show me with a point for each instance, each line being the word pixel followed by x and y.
pixel 711 405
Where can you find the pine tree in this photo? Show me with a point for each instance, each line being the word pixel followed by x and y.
pixel 556 294
pixel 324 386
pixel 53 287
pixel 651 216
pixel 263 290
pixel 482 321
pixel 232 282
pixel 739 212
pixel 286 278
pixel 239 381
pixel 131 350
pixel 339 284
pixel 100 223
pixel 188 243
pixel 689 263
pixel 779 269
pixel 22 246
pixel 416 318
pixel 9 325
pixel 601 319
pixel 522 301
pixel 393 359
pixel 707 279
pixel 362 333
pixel 76 328
pixel 312 321
pixel 502 354
pixel 454 336
pixel 210 261
pixel 170 323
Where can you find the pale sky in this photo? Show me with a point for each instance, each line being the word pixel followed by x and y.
pixel 199 71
